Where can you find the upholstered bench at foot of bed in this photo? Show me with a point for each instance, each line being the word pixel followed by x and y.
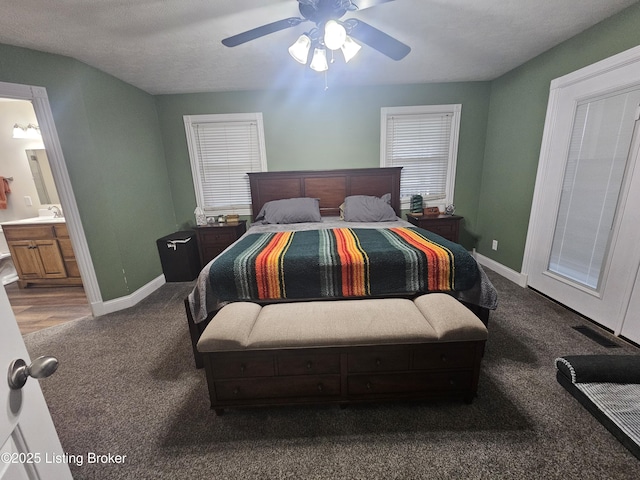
pixel 342 351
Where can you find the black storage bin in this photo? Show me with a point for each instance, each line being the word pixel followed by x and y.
pixel 179 256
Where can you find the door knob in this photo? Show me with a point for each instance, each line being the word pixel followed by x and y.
pixel 41 367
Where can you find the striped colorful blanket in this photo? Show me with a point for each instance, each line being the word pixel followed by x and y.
pixel 341 262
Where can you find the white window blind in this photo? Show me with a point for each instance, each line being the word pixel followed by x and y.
pixel 422 140
pixel 223 149
pixel 594 174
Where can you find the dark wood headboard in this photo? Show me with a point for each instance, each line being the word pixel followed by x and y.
pixel 330 186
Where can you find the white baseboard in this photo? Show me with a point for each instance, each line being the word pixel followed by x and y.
pixel 506 272
pixel 117 304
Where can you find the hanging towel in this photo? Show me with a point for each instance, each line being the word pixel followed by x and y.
pixel 4 189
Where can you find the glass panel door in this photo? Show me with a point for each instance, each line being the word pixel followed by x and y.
pixel 593 177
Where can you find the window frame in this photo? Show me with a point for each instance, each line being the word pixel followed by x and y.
pixel 455 111
pixel 189 122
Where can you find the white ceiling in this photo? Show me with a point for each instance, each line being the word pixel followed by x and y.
pixel 173 46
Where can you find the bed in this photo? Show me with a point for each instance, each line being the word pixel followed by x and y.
pixel 333 234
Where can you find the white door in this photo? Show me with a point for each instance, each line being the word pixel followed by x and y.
pixel 631 323
pixel 582 248
pixel 29 445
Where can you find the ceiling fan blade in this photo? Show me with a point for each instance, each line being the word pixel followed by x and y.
pixel 378 40
pixel 362 4
pixel 261 31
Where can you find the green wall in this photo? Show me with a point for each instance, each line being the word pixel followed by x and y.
pixel 110 137
pixel 314 129
pixel 516 122
pixel 127 156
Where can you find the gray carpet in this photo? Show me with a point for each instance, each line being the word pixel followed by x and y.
pixel 127 385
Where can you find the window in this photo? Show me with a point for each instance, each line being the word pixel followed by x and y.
pixel 223 149
pixel 424 141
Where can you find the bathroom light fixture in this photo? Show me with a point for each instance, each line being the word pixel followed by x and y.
pixel 31 131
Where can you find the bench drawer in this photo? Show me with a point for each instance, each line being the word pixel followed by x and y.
pixel 308 363
pixel 382 360
pixel 409 382
pixel 444 356
pixel 233 366
pixel 278 387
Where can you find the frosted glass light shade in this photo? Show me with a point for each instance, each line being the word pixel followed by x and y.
pixel 319 60
pixel 349 48
pixel 19 132
pixel 300 49
pixel 33 131
pixel 334 35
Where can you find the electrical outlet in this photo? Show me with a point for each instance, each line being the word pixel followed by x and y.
pixel 494 245
pixel 27 201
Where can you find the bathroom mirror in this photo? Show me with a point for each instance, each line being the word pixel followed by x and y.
pixel 42 176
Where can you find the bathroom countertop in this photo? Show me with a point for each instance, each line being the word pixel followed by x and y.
pixel 35 220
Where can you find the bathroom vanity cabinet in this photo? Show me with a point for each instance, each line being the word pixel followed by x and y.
pixel 42 254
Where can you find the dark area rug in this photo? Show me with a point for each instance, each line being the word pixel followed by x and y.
pixel 127 385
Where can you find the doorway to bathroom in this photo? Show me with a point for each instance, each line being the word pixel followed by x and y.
pixel 30 192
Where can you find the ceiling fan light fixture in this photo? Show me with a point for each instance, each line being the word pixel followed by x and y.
pixel 350 48
pixel 300 49
pixel 319 60
pixel 334 35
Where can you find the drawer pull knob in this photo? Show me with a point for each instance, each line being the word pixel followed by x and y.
pixel 236 390
pixel 320 387
pixel 243 368
pixel 443 357
pixel 309 365
pixel 369 386
pixel 452 382
pixel 378 362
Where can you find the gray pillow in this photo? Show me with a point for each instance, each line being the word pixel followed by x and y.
pixel 366 208
pixel 290 210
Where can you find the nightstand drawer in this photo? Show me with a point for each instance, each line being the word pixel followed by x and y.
pixel 213 239
pixel 447 226
pixel 219 238
pixel 444 229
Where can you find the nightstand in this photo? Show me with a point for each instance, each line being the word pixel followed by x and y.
pixel 215 237
pixel 446 226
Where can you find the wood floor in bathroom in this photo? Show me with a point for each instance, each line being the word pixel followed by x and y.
pixel 36 308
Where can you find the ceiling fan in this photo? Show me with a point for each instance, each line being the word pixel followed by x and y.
pixel 329 32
